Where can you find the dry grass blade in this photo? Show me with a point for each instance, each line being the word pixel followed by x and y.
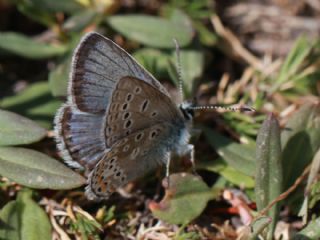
pixel 238 49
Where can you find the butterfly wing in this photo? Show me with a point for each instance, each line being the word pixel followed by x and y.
pixel 97 66
pixel 136 105
pixel 130 158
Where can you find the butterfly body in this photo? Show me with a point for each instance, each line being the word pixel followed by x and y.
pixel 119 122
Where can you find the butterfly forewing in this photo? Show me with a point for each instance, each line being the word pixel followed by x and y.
pixel 137 105
pixel 98 64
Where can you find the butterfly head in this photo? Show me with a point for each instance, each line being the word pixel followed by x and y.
pixel 187 110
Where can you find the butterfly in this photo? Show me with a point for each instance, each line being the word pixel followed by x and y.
pixel 119 122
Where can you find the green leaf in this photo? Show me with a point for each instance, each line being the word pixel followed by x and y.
pixel 35 102
pixel 185 199
pixel 311 231
pixel 293 62
pixel 10 220
pixel 15 129
pixel 206 36
pixel 229 173
pixel 27 47
pixel 295 58
pixel 192 65
pixel 24 219
pixel 268 168
pixel 153 31
pixel 70 6
pixel 257 227
pixel 315 167
pixel 36 170
pixel 33 12
pixel 58 78
pixel 80 21
pixel 154 60
pixel 239 156
pixel 300 140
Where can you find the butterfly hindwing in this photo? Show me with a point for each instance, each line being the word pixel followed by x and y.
pixel 128 159
pixel 79 137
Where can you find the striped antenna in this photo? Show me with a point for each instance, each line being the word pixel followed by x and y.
pixel 178 68
pixel 243 108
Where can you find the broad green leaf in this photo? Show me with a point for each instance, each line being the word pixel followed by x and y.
pixel 239 156
pixel 153 31
pixel 35 102
pixel 185 199
pixel 36 170
pixel 192 65
pixel 229 173
pixel 80 21
pixel 10 221
pixel 300 140
pixel 154 60
pixel 15 129
pixel 33 12
pixel 58 77
pixel 70 6
pixel 24 219
pixel 27 47
pixel 268 168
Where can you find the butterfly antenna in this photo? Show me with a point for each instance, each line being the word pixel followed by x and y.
pixel 243 108
pixel 178 69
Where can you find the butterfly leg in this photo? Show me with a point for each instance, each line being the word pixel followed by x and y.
pixel 190 148
pixel 168 168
